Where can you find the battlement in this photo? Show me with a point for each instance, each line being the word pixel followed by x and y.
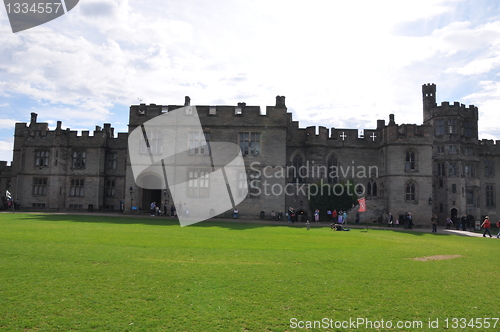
pixel 456 108
pixel 142 113
pixel 490 147
pixel 41 129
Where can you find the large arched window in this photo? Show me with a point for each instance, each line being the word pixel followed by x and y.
pixel 410 161
pixel 410 191
pixel 332 171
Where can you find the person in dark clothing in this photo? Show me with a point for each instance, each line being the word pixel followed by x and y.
pixel 463 222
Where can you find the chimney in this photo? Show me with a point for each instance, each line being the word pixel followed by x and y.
pixel 187 101
pixel 280 101
pixel 391 120
pixel 380 124
pixel 33 118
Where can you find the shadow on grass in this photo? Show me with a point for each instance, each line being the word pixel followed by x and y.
pixel 152 221
pixel 223 223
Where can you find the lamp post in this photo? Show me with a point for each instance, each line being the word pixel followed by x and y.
pixel 131 190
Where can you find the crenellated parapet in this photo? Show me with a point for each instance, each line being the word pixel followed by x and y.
pixel 447 109
pixel 38 134
pixel 212 115
pixel 489 147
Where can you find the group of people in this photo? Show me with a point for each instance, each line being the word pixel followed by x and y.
pixel 465 222
pixel 155 210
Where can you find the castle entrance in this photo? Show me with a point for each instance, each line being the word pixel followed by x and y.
pixel 149 196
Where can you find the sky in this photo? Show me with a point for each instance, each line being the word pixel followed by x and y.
pixel 340 64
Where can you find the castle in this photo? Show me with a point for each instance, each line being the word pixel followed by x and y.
pixel 437 167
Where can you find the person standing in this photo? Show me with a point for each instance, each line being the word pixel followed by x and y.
pixel 456 221
pixel 308 225
pixel 434 222
pixel 448 223
pixel 487 225
pixel 316 215
pixel 152 208
pixel 357 217
pixel 498 225
pixel 339 218
pixel 344 217
pixel 463 222
pixel 334 216
pixel 390 221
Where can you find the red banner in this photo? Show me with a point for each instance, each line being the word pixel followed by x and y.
pixel 362 205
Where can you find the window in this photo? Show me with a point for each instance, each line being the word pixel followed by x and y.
pixel 441 169
pixel 452 126
pixel 242 184
pixel 468 151
pixel 198 183
pixel 40 186
pixel 371 188
pixel 439 127
pixel 333 169
pixel 470 197
pixel 490 195
pixel 469 170
pixel 250 144
pixel 41 158
pixel 112 160
pixel 454 188
pixel 440 149
pixel 441 183
pixel 154 142
pixel 38 205
pixel 410 192
pixel 155 139
pixel 452 169
pixel 489 167
pixel 410 160
pixel 452 149
pixel 441 208
pixel 254 184
pixel 77 187
pixel 199 143
pixel 76 206
pixel 78 159
pixel 297 168
pixel 469 129
pixel 110 188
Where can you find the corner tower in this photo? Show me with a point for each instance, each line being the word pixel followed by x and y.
pixel 428 99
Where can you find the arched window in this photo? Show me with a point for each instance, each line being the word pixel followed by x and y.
pixel 297 169
pixel 410 191
pixel 332 171
pixel 371 188
pixel 410 163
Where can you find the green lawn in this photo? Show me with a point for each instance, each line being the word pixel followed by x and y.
pixel 83 273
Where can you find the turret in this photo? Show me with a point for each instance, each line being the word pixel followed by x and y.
pixel 428 99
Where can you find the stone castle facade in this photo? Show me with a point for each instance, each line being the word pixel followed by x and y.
pixel 437 167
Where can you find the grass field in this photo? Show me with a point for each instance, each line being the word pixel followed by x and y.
pixel 92 273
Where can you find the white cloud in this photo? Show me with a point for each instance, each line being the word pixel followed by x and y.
pixel 336 61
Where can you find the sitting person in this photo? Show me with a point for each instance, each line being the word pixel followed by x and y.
pixel 338 227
